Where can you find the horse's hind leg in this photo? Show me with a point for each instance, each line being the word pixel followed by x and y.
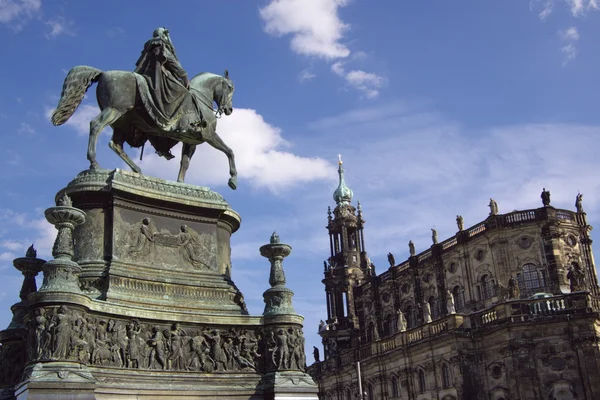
pixel 106 117
pixel 215 141
pixel 117 146
pixel 187 152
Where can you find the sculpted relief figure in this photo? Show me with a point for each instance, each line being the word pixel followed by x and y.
pixel 450 303
pixel 513 289
pixel 401 322
pixel 576 277
pixel 70 335
pixel 156 103
pixel 194 249
pixel 144 242
pixel 426 313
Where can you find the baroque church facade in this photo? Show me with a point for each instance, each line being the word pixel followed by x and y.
pixel 507 309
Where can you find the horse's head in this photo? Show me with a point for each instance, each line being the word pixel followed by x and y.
pixel 224 95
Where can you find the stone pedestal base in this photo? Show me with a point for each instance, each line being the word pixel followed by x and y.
pixel 59 380
pixel 149 310
pixel 289 386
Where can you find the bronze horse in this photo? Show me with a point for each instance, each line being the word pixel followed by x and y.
pixel 121 108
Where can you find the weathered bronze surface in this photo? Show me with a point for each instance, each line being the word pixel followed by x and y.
pixel 156 103
pixel 139 301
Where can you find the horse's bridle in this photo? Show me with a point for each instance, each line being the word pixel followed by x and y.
pixel 219 111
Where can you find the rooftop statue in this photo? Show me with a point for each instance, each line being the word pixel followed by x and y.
pixel 156 103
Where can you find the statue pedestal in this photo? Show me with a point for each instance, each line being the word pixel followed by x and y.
pixel 139 303
pixel 154 244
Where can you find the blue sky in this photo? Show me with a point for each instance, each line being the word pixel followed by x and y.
pixel 435 107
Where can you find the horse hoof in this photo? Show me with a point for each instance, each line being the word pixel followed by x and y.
pixel 232 184
pixel 94 166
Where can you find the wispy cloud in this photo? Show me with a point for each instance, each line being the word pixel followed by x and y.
pixel 317 31
pixel 116 31
pixel 26 129
pixel 569 38
pixel 306 75
pixel 577 8
pixel 18 12
pixel 59 26
pixel 367 82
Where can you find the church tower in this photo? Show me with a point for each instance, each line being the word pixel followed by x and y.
pixel 348 266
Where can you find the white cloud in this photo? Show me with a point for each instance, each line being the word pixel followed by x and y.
pixel 367 82
pixel 260 152
pixel 59 26
pixel 569 34
pixel 424 167
pixel 306 75
pixel 315 26
pixel 6 256
pixel 18 10
pixel 577 7
pixel 317 30
pixel 569 38
pixel 12 245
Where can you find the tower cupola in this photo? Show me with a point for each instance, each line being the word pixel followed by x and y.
pixel 343 194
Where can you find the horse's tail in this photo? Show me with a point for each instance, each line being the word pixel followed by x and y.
pixel 77 82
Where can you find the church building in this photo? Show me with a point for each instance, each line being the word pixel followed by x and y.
pixel 507 309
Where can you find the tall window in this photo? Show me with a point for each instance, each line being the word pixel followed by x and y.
pixel 394 387
pixel 422 382
pixel 459 299
pixel 410 317
pixel 348 395
pixel 487 287
pixel 370 332
pixel 370 393
pixel 532 278
pixel 433 306
pixel 445 376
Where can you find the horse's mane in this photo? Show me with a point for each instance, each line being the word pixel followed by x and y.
pixel 203 76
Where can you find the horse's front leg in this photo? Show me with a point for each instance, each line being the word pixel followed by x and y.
pixel 187 152
pixel 215 141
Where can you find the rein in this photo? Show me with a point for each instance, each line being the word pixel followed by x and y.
pixel 219 111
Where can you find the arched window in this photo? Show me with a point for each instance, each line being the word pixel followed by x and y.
pixel 487 287
pixel 389 325
pixel 395 392
pixel 459 299
pixel 532 278
pixel 445 376
pixel 348 395
pixel 433 306
pixel 422 382
pixel 370 332
pixel 370 393
pixel 410 317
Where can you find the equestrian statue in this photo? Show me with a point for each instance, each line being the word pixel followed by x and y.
pixel 156 103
